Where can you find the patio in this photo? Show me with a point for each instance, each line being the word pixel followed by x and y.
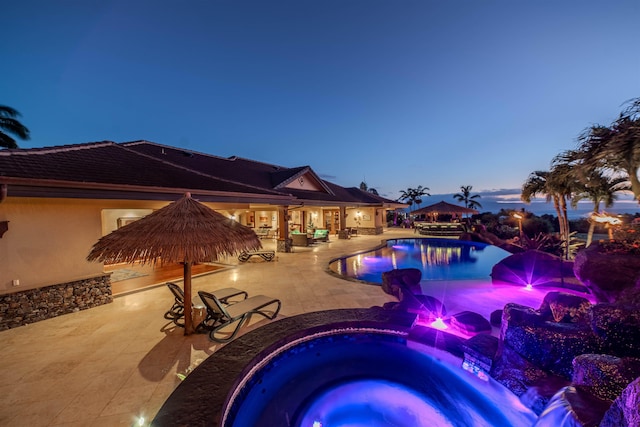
pixel 111 365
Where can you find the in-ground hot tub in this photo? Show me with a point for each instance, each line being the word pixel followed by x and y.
pixel 338 368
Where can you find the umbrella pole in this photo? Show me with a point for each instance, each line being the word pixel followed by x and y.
pixel 188 321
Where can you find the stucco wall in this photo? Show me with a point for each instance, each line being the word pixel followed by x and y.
pixel 48 240
pixel 42 233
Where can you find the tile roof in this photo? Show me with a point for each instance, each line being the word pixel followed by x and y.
pixel 109 163
pixel 143 164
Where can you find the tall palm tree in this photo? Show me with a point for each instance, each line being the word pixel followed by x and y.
pixel 9 123
pixel 563 182
pixel 616 147
pixel 466 197
pixel 554 186
pixel 599 189
pixel 413 195
pixel 592 184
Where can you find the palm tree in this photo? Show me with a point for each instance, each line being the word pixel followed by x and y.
pixel 9 123
pixel 466 197
pixel 365 187
pixel 599 189
pixel 592 184
pixel 413 195
pixel 554 185
pixel 617 147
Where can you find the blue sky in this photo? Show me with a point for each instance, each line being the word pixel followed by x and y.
pixel 395 93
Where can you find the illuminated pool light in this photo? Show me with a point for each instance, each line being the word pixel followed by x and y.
pixel 439 324
pixel 372 403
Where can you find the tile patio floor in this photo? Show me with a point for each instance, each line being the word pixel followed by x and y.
pixel 109 365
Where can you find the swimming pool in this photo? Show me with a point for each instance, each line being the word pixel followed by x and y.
pixel 438 259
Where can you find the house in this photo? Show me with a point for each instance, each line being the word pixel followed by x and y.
pixel 56 202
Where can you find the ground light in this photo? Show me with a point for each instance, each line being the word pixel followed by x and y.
pixel 439 324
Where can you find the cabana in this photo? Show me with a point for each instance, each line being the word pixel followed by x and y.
pixel 435 228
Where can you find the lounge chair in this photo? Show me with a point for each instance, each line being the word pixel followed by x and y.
pixel 265 255
pixel 221 316
pixel 176 312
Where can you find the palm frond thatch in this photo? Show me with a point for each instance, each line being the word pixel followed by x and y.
pixel 444 208
pixel 184 231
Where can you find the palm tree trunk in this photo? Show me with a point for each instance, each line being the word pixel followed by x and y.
pixel 592 224
pixel 566 232
pixel 556 206
pixel 635 183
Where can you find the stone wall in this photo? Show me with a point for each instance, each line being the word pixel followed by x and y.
pixel 370 231
pixel 33 305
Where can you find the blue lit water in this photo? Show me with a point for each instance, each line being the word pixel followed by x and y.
pixel 370 380
pixel 438 259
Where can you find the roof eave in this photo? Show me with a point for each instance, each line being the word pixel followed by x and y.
pixel 28 187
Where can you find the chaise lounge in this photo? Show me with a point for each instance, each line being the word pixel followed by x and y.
pixel 176 312
pixel 221 316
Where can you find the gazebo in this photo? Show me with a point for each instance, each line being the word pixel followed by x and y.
pixel 443 207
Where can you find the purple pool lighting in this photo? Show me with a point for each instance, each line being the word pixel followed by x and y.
pixel 370 378
pixel 437 259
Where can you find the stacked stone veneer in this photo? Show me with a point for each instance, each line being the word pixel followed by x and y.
pixel 33 305
pixel 370 231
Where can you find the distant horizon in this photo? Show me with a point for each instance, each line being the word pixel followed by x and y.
pixel 509 199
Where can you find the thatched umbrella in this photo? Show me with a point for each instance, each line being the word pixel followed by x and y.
pixel 443 208
pixel 184 231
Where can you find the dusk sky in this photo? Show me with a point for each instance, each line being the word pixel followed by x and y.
pixel 395 93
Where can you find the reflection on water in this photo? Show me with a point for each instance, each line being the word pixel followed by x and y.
pixel 438 259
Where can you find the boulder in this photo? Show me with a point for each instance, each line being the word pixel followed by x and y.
pixel 550 346
pixel 532 267
pixel 619 328
pixel 517 373
pixel 565 307
pixel 605 375
pixel 433 306
pixel 479 351
pixel 625 410
pixel 405 278
pixel 496 318
pixel 470 322
pixel 606 275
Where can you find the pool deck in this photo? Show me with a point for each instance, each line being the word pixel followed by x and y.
pixel 110 365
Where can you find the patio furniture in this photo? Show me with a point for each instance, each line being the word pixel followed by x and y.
pixel 300 239
pixel 265 255
pixel 321 235
pixel 176 312
pixel 221 316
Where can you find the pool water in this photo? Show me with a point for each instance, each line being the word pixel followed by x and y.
pixel 350 378
pixel 437 259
